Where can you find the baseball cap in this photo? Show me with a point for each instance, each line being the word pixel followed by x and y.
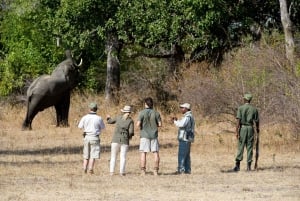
pixel 186 105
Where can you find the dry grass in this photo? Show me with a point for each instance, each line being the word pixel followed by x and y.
pixel 45 164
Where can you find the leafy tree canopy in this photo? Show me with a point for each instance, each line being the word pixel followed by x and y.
pixel 204 29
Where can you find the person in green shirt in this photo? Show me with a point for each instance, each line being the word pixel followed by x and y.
pixel 148 121
pixel 247 116
pixel 124 131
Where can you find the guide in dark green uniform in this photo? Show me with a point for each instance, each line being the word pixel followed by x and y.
pixel 247 116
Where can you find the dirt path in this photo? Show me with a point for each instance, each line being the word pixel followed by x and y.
pixel 32 167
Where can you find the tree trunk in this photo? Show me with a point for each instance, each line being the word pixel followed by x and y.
pixel 112 86
pixel 288 32
pixel 176 59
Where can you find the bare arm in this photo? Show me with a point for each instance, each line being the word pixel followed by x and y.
pixel 138 124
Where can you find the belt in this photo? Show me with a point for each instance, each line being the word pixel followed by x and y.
pixel 243 125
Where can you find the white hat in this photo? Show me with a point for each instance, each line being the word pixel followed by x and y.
pixel 126 108
pixel 186 105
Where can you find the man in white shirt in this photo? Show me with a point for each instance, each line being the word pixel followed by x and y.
pixel 92 125
pixel 186 126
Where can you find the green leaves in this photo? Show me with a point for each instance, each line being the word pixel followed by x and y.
pixel 204 29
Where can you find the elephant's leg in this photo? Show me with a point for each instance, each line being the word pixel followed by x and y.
pixel 62 110
pixel 59 118
pixel 32 110
pixel 31 113
pixel 27 123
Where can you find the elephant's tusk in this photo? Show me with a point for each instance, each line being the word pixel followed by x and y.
pixel 80 63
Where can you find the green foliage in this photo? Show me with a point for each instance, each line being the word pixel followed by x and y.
pixel 28 43
pixel 204 29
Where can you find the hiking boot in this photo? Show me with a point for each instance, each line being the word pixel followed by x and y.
pixel 155 173
pixel 143 171
pixel 237 166
pixel 249 166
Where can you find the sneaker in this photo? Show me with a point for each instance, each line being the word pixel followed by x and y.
pixel 178 173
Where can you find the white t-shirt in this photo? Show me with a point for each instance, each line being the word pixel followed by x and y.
pixel 92 125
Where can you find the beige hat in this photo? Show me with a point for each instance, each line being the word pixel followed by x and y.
pixel 186 105
pixel 126 109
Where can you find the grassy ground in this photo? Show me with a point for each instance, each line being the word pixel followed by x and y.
pixel 45 164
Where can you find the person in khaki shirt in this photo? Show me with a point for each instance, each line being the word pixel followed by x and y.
pixel 148 122
pixel 124 131
pixel 247 116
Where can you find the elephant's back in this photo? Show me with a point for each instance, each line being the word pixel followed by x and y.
pixel 38 83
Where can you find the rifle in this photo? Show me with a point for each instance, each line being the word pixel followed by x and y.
pixel 256 150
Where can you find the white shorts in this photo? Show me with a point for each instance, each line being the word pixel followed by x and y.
pixel 91 149
pixel 149 145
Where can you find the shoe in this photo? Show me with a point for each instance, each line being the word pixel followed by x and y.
pixel 155 173
pixel 122 174
pixel 237 166
pixel 143 171
pixel 236 169
pixel 84 171
pixel 178 173
pixel 249 166
pixel 91 171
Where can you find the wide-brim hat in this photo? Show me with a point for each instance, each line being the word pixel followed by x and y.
pixel 126 109
pixel 186 105
pixel 248 97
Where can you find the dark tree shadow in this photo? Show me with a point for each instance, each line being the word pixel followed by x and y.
pixel 275 168
pixel 69 150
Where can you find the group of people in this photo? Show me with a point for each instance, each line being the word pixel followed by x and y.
pixel 148 122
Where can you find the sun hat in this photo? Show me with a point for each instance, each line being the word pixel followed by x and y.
pixel 126 109
pixel 186 105
pixel 248 97
pixel 93 106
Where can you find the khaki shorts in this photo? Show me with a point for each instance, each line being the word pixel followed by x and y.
pixel 91 149
pixel 149 145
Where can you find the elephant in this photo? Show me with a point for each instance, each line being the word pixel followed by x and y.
pixel 53 90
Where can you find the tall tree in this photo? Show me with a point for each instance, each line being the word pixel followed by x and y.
pixel 288 32
pixel 112 86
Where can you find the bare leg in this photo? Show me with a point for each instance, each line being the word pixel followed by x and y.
pixel 143 162
pixel 143 159
pixel 84 165
pixel 91 163
pixel 156 162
